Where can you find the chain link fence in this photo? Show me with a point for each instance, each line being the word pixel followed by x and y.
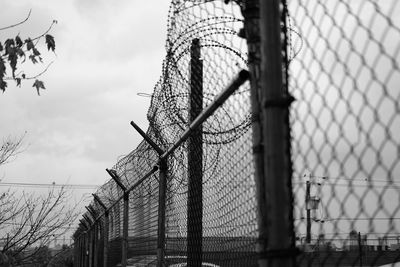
pixel 199 188
pixel 210 209
pixel 344 72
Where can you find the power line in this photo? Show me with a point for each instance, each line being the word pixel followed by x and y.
pixel 44 185
pixel 370 179
pixel 43 226
pixel 354 219
pixel 388 186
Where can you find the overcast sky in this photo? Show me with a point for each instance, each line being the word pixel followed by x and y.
pixel 106 53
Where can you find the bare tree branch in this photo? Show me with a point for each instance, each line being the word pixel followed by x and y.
pixel 11 147
pixel 41 219
pixel 19 23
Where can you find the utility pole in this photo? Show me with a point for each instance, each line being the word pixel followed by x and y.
pixel 308 210
pixel 360 249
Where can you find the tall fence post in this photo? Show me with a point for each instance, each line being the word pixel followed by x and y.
pixel 87 248
pixel 195 160
pixel 77 249
pixel 271 137
pixel 276 102
pixel 89 240
pixel 162 196
pixel 85 245
pixel 124 254
pixel 125 231
pixel 105 229
pixel 94 236
pixel 105 240
pixel 81 249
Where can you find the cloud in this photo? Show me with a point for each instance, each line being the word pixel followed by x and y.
pixel 106 52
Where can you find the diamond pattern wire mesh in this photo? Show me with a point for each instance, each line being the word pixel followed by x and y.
pixel 229 220
pixel 344 73
pixel 220 149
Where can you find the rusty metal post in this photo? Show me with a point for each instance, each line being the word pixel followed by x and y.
pixel 195 161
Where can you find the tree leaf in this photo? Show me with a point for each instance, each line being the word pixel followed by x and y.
pixel 2 68
pixel 20 52
pixel 29 44
pixel 18 41
pixel 35 51
pixel 39 85
pixel 3 85
pixel 33 59
pixel 51 44
pixel 18 80
pixel 9 44
pixel 1 47
pixel 12 59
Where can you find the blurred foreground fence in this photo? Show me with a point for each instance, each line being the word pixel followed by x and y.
pixel 231 173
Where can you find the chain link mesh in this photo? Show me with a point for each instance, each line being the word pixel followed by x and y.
pixel 218 152
pixel 342 65
pixel 344 74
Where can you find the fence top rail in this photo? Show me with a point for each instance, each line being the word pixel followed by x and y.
pixel 240 79
pixel 107 209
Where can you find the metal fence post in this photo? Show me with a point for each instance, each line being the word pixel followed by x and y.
pixel 90 240
pixel 271 150
pixel 87 250
pixel 76 251
pixel 94 234
pixel 252 35
pixel 105 229
pixel 125 219
pixel 125 231
pixel 195 160
pixel 276 135
pixel 84 252
pixel 81 249
pixel 162 196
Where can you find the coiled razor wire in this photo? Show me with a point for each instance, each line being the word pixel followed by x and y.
pixel 216 25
